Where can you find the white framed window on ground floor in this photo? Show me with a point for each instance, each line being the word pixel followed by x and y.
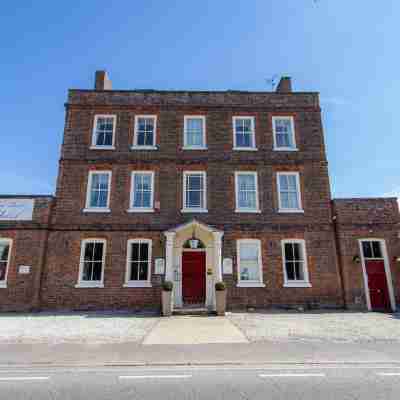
pixel 92 261
pixel 138 263
pixel 5 255
pixel 249 263
pixel 295 269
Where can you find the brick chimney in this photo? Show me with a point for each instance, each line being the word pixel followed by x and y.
pixel 284 85
pixel 101 81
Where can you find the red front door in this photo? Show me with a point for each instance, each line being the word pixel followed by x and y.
pixel 378 288
pixel 194 277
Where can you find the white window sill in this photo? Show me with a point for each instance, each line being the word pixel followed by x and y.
pixel 102 147
pixel 96 210
pixel 245 148
pixel 3 285
pixel 194 210
pixel 86 285
pixel 288 211
pixel 286 149
pixel 194 148
pixel 244 210
pixel 140 210
pixel 136 147
pixel 134 284
pixel 297 284
pixel 250 284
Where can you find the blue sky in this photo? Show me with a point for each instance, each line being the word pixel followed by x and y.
pixel 346 50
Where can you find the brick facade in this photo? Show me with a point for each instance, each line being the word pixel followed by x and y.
pixel 53 246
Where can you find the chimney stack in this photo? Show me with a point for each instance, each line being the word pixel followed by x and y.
pixel 284 85
pixel 101 81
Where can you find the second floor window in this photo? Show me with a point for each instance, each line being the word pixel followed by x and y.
pixel 289 192
pixel 284 138
pixel 145 131
pixel 194 191
pixel 194 132
pixel 246 192
pixel 91 269
pixel 104 131
pixel 98 191
pixel 5 249
pixel 244 133
pixel 142 191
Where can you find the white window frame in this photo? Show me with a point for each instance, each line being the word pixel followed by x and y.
pixel 289 210
pixel 186 209
pixel 99 147
pixel 135 283
pixel 253 133
pixel 88 191
pixel 296 283
pixel 185 145
pixel 276 147
pixel 132 194
pixel 91 284
pixel 244 209
pixel 135 145
pixel 258 283
pixel 3 283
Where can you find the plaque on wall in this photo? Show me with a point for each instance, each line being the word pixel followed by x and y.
pixel 24 269
pixel 159 267
pixel 16 209
pixel 227 266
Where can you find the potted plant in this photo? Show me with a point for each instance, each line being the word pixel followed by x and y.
pixel 167 298
pixel 220 298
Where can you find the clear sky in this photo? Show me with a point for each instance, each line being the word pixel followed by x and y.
pixel 348 50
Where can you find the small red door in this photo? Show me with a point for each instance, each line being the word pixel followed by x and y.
pixel 378 288
pixel 194 277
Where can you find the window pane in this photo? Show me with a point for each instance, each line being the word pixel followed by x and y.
pixel 193 199
pixel 367 249
pixel 102 199
pixel 283 182
pixel 134 271
pixel 87 271
pixel 299 271
pixel 143 271
pixel 98 252
pixel 293 201
pixel 135 251
pixel 89 247
pixel 195 182
pixel 3 267
pixel 144 251
pixel 96 273
pixel 290 270
pixel 376 246
pixel 296 250
pixel 285 200
pixel 249 271
pixel 249 251
pixel 289 255
pixel 4 249
pixel 243 140
pixel 141 139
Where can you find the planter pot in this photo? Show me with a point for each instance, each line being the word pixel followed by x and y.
pixel 220 300
pixel 167 301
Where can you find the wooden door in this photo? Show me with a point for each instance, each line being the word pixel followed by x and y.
pixel 194 277
pixel 378 288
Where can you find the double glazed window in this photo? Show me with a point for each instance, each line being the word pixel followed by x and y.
pixel 246 192
pixel 142 191
pixel 289 192
pixel 145 131
pixel 104 131
pixel 138 268
pixel 249 262
pixel 243 133
pixel 98 192
pixel 194 132
pixel 194 191
pixel 284 138
pixel 295 263
pixel 5 253
pixel 91 269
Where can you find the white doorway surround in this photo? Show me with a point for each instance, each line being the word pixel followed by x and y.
pixel 174 248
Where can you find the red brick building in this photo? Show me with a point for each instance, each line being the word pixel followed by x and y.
pixel 196 187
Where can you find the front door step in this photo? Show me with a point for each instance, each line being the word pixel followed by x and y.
pixel 192 311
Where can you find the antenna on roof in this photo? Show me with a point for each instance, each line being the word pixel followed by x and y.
pixel 272 81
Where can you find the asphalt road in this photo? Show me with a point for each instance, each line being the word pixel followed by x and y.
pixel 264 382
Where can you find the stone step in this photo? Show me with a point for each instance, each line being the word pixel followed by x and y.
pixel 192 311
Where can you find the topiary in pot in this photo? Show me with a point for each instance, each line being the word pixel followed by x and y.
pixel 220 286
pixel 220 298
pixel 168 286
pixel 167 298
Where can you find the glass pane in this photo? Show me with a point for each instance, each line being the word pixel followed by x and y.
pixel 87 271
pixel 102 199
pixel 290 271
pixel 283 182
pixel 98 252
pixel 293 201
pixel 285 200
pixel 299 273
pixel 107 141
pixel 135 251
pixel 367 249
pixel 4 249
pixel 141 139
pixel 249 271
pixel 146 199
pixel 96 273
pixel 194 124
pixel 149 139
pixel 292 182
pixel 297 253
pixel 88 252
pixel 249 251
pixel 243 140
pixel 194 138
pixel 134 271
pixel 143 271
pixel 289 256
pixel 194 199
pixel 138 199
pixel 194 182
pixel 376 247
pixel 3 266
pixel 144 251
pixel 282 140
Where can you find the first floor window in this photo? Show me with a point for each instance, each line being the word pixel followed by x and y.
pixel 103 131
pixel 142 190
pixel 92 262
pixel 194 132
pixel 246 191
pixel 283 128
pixel 98 195
pixel 244 134
pixel 138 262
pixel 249 262
pixel 145 131
pixel 194 190
pixel 289 191
pixel 5 252
pixel 295 263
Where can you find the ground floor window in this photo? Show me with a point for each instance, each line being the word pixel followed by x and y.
pixel 138 268
pixel 5 252
pixel 295 263
pixel 92 262
pixel 249 262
